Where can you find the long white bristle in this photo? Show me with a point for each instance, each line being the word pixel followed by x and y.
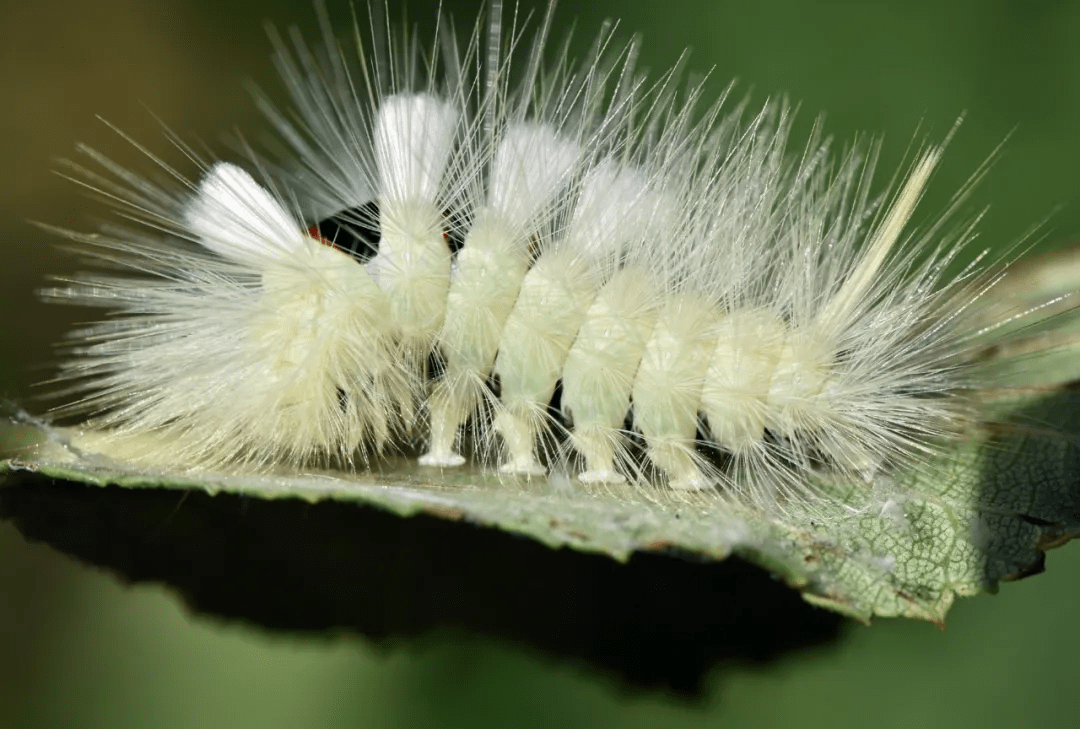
pixel 414 137
pixel 530 164
pixel 235 217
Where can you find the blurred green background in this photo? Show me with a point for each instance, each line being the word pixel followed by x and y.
pixel 78 649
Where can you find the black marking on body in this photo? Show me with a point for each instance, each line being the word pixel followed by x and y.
pixel 354 231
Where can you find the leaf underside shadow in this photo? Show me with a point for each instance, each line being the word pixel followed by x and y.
pixel 985 513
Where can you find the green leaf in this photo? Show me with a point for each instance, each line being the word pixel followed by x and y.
pixel 988 513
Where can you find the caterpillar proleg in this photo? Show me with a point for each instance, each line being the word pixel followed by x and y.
pixel 489 252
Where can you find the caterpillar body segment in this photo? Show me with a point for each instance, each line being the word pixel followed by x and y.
pixel 614 209
pixel 530 165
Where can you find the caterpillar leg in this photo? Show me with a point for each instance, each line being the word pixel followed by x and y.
pixel 598 446
pixel 676 458
pixel 519 435
pixel 668 386
pixel 447 413
pixel 600 368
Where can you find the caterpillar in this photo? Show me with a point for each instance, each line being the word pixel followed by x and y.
pixel 488 252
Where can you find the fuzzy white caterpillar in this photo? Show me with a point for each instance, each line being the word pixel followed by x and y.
pixel 574 270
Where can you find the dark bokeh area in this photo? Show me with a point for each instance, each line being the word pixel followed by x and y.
pixel 80 648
